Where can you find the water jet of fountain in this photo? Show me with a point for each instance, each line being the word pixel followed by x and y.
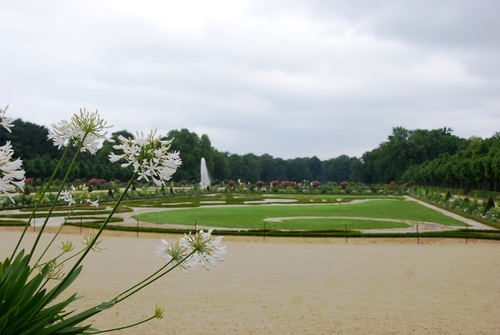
pixel 205 178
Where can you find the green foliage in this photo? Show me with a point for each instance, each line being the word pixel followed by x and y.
pixel 29 141
pixel 475 165
pixel 27 307
pixel 462 206
pixel 489 205
pixel 426 157
pixel 404 149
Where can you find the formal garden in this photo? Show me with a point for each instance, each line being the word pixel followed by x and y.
pixel 33 278
pixel 280 210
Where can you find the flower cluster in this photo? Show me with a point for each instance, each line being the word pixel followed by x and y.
pixel 11 174
pixel 285 183
pixel 78 195
pixel 191 251
pixel 149 157
pixel 5 122
pixel 85 126
pixel 95 181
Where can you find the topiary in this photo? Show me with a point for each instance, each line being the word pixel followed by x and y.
pixel 489 204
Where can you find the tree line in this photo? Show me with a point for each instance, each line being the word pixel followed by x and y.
pixel 425 157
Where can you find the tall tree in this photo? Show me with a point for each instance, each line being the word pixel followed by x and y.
pixel 251 168
pixel 338 169
pixel 269 168
pixel 315 168
pixel 221 170
pixel 297 170
pixel 29 141
pixel 188 144
pixel 207 152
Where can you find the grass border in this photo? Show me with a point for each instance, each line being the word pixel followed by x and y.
pixel 453 234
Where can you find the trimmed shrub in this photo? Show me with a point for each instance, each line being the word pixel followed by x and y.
pixel 490 204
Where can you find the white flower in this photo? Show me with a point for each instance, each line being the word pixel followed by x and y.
pixel 67 196
pixel 149 156
pixel 6 122
pixel 78 195
pixel 201 249
pixel 87 240
pixel 208 251
pixel 174 253
pixel 12 176
pixel 85 124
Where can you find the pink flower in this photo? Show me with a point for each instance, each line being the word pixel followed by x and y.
pixel 93 181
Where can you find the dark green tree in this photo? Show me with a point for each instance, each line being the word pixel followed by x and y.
pixel 221 170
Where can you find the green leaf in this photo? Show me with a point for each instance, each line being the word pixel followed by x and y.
pixel 67 326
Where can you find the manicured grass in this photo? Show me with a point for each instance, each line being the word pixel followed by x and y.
pixel 251 217
pixel 246 198
pixel 333 224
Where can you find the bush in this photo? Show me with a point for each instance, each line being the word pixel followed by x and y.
pixel 490 204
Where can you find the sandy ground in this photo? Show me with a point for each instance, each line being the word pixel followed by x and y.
pixel 298 286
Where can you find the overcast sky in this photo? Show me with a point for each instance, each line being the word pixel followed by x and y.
pixel 287 78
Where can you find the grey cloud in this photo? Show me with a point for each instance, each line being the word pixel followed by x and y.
pixel 335 86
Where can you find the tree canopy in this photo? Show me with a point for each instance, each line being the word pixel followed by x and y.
pixel 427 157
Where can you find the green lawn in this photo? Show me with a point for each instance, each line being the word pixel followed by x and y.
pixel 252 217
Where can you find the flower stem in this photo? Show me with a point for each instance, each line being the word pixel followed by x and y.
pixel 124 327
pixel 40 200
pixel 96 237
pixel 151 279
pixel 66 177
pixel 57 233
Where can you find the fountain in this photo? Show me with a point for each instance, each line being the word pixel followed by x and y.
pixel 205 178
